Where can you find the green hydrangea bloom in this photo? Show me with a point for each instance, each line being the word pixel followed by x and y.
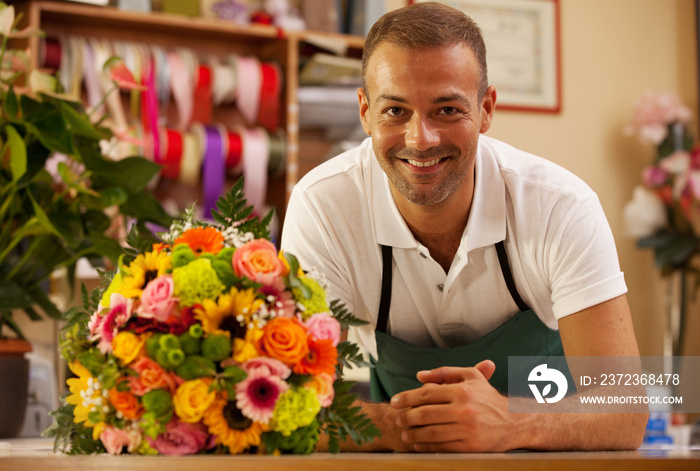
pixel 182 255
pixel 316 302
pixel 296 407
pixel 196 282
pixel 160 403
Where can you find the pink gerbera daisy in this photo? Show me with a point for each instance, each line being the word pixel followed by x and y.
pixel 257 395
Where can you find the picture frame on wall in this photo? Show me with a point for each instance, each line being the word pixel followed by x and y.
pixel 522 50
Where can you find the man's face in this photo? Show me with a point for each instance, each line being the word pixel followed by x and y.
pixel 422 110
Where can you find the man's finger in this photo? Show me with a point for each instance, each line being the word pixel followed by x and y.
pixel 454 374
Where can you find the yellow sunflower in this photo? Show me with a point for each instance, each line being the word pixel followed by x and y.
pixel 226 422
pixel 85 393
pixel 233 304
pixel 142 270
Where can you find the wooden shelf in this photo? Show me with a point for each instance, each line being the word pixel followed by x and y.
pixel 205 36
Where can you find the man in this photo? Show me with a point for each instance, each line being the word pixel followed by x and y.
pixel 459 250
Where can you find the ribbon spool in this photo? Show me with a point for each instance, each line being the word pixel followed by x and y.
pixel 248 90
pixel 50 53
pixel 256 155
pixel 213 168
pixel 269 110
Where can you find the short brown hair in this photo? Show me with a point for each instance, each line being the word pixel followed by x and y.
pixel 427 25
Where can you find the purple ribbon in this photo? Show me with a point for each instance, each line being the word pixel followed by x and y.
pixel 213 169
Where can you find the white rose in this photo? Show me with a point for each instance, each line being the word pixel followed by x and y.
pixel 645 214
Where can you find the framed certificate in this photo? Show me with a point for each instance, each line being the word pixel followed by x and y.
pixel 522 50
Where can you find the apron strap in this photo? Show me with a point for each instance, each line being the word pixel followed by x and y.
pixel 508 276
pixel 385 299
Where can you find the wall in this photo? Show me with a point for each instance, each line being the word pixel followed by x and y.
pixel 612 51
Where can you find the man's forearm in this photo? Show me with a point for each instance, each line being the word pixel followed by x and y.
pixel 384 418
pixel 580 431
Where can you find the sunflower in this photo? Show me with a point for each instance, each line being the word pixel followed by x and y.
pixel 231 428
pixel 86 393
pixel 231 312
pixel 143 269
pixel 202 240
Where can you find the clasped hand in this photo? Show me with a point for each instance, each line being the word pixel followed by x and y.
pixel 456 410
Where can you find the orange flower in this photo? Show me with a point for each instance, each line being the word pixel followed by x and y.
pixel 157 247
pixel 284 339
pixel 126 403
pixel 322 358
pixel 202 239
pixel 150 376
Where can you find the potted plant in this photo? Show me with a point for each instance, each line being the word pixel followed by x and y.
pixel 58 198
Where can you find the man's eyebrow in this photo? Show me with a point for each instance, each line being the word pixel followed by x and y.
pixel 442 99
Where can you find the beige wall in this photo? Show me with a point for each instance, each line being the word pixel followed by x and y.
pixel 612 51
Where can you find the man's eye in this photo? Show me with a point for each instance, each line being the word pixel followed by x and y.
pixel 394 111
pixel 448 110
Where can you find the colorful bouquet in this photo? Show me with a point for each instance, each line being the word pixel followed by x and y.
pixel 662 212
pixel 209 342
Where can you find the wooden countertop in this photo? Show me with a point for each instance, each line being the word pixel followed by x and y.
pixel 37 454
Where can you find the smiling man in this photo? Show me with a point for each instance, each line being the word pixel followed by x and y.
pixel 460 251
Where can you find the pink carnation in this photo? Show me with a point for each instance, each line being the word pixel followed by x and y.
pixel 323 326
pixel 115 439
pixel 274 367
pixel 654 112
pixel 180 438
pixel 157 299
pixel 104 326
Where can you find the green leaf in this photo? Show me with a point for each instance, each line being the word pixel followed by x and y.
pixel 18 154
pixel 10 103
pixel 132 173
pixel 677 253
pixel 13 296
pixel 144 206
pixel 110 196
pixel 42 217
pixel 79 124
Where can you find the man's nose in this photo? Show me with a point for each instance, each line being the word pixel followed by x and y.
pixel 421 133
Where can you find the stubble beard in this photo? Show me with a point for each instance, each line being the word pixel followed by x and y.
pixel 433 194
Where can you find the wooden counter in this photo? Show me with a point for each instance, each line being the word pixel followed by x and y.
pixel 30 455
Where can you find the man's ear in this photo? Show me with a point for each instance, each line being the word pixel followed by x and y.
pixel 488 106
pixel 364 110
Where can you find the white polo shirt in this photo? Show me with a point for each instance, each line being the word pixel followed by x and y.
pixel 560 247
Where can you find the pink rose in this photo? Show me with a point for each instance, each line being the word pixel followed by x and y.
pixel 323 326
pixel 115 439
pixel 105 325
pixel 157 299
pixel 274 367
pixel 180 438
pixel 258 260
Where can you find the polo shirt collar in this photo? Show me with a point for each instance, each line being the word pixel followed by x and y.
pixel 487 220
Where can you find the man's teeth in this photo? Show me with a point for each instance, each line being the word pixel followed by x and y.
pixel 418 163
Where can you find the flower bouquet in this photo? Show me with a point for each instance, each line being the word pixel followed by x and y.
pixel 662 214
pixel 208 342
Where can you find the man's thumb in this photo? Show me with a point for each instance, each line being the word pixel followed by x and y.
pixel 486 367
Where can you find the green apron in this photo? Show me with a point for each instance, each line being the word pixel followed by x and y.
pixel 523 335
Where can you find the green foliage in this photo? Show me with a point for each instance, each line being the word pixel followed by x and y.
pixel 69 437
pixel 344 316
pixel 234 210
pixel 343 420
pixel 48 221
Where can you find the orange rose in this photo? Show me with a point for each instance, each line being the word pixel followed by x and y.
pixel 284 339
pixel 258 260
pixel 150 376
pixel 126 403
